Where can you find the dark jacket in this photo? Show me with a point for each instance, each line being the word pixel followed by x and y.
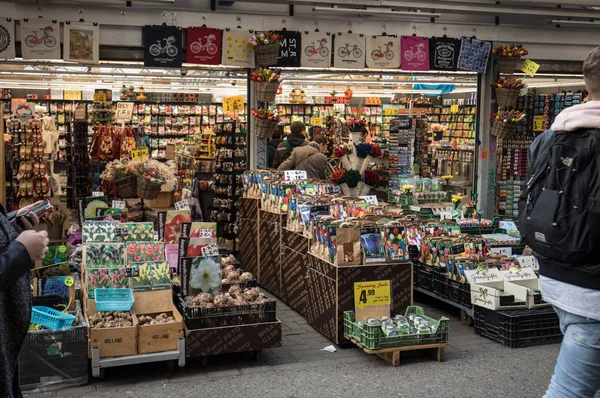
pixel 15 305
pixel 283 152
pixel 583 275
pixel 271 149
pixel 309 159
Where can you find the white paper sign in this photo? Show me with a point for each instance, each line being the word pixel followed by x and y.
pixel 316 50
pixel 206 233
pixel 7 39
pixel 383 52
pixel 97 194
pixel 40 39
pixel 529 262
pixel 349 51
pixel 124 111
pixel 295 175
pixel 118 204
pixel 445 215
pixel 210 250
pixel 339 107
pixel 370 199
pixel 506 251
pixel 182 205
pixel 414 208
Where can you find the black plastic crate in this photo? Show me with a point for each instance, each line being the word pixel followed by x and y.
pixel 413 253
pixel 425 277
pixel 518 328
pixel 203 318
pixel 459 292
pixel 439 281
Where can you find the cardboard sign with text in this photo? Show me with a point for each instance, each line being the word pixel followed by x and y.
pixel 372 299
pixel 124 111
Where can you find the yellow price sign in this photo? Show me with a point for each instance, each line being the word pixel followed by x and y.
pixel 538 123
pixel 454 108
pixel 139 153
pixel 315 121
pixel 235 103
pixel 72 95
pixel 530 68
pixel 69 281
pixel 372 294
pixel 99 97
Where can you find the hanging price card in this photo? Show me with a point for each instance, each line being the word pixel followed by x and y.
pixel 99 96
pixel 118 204
pixel 206 233
pixel 210 250
pixel 235 103
pixel 72 95
pixel 139 153
pixel 454 108
pixel 370 199
pixel 372 299
pixel 182 205
pixel 538 123
pixel 124 111
pixel 97 194
pixel 507 251
pixel 529 262
pixel 315 121
pixel 530 68
pixel 294 175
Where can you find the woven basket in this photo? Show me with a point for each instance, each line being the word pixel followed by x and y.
pixel 264 128
pixel 507 97
pixel 508 64
pixel 127 186
pixel 266 55
pixel 503 130
pixel 265 92
pixel 147 189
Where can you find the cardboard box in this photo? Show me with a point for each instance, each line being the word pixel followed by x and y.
pixel 113 342
pixel 488 290
pixel 522 284
pixel 163 200
pixel 161 337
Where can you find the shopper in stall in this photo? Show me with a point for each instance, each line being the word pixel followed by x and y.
pixel 273 144
pixel 560 221
pixel 20 247
pixel 295 139
pixel 309 158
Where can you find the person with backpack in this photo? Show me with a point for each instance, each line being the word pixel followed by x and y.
pixel 295 139
pixel 310 158
pixel 560 221
pixel 276 139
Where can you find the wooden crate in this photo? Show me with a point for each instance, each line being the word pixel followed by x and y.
pixel 114 342
pixel 160 338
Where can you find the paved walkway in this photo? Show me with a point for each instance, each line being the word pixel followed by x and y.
pixel 474 367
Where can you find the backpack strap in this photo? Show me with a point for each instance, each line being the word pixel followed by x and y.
pixel 288 146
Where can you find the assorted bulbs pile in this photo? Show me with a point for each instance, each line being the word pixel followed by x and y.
pixel 400 324
pixel 233 297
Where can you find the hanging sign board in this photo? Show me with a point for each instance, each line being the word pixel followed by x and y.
pixel 72 95
pixel 235 103
pixel 372 299
pixel 124 111
pixel 443 53
pixel 41 39
pixel 316 50
pixel 204 45
pixel 295 175
pixel 530 68
pixel 474 54
pixel 7 39
pixel 289 52
pixel 454 108
pixel 538 123
pixel 139 153
pixel 102 95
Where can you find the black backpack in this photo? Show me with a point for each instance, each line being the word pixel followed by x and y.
pixel 560 210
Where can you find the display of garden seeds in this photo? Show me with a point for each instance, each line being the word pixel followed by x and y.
pixel 170 224
pixel 394 244
pixel 151 275
pixel 192 247
pixel 111 214
pixel 138 232
pixel 370 240
pixel 87 207
pixel 199 230
pixel 138 252
pixel 95 231
pixel 57 253
pixel 104 255
pixel 108 278
pixel 200 275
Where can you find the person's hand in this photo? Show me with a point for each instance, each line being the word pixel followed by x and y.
pixel 35 220
pixel 36 243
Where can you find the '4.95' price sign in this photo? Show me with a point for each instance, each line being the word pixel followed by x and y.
pixel 372 299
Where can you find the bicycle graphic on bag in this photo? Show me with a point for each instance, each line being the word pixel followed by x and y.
pixel 209 47
pixel 47 40
pixel 348 49
pixel 169 48
pixel 411 54
pixel 388 54
pixel 321 50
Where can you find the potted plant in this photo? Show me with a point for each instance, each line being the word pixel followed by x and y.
pixel 509 56
pixel 266 47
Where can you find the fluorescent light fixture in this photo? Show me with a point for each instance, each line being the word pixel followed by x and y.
pixel 379 11
pixel 572 22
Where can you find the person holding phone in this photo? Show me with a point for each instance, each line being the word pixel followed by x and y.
pixel 20 247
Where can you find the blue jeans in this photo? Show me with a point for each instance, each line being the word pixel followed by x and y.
pixel 577 371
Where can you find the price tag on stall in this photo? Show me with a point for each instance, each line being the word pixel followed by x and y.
pixel 332 189
pixel 506 251
pixel 370 199
pixel 139 153
pixel 415 208
pixel 99 96
pixel 206 233
pixel 69 281
pixel 124 111
pixel 235 103
pixel 445 215
pixel 529 262
pixel 210 250
pixel 372 299
pixel 97 194
pixel 118 204
pixel 72 95
pixel 454 108
pixel 530 68
pixel 538 123
pixel 295 175
pixel 182 205
pixel 315 121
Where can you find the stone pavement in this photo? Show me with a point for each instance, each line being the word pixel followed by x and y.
pixel 474 367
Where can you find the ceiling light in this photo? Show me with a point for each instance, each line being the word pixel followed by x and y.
pixel 571 22
pixel 369 11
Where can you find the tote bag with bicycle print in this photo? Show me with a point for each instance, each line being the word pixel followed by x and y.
pixel 349 51
pixel 204 45
pixel 316 50
pixel 383 52
pixel 162 46
pixel 415 53
pixel 40 39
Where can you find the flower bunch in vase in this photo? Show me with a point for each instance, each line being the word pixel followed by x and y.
pixel 352 178
pixel 355 125
pixel 264 39
pixel 370 179
pixel 457 206
pixel 272 115
pixel 339 177
pixel 341 154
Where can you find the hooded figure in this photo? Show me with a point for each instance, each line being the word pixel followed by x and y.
pixel 309 158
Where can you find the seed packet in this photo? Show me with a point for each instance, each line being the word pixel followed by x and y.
pixel 170 224
pixel 138 232
pixel 104 255
pixel 192 247
pixel 57 253
pixel 151 275
pixel 370 240
pixel 94 231
pixel 138 252
pixel 395 246
pixel 87 207
pixel 200 274
pixel 199 230
pixel 107 278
